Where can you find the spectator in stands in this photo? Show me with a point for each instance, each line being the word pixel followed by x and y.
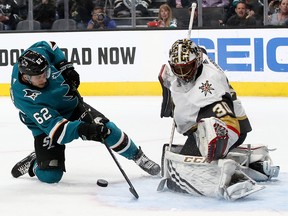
pixel 45 12
pixel 122 7
pixel 241 18
pixel 9 14
pixel 213 11
pixel 215 3
pixel 81 12
pixel 100 20
pixel 255 9
pixel 182 11
pixel 180 3
pixel 273 6
pixel 60 14
pixel 165 18
pixel 280 17
pixel 22 9
pixel 229 11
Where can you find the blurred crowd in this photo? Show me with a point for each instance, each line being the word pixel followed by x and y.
pixel 87 14
pixel 91 14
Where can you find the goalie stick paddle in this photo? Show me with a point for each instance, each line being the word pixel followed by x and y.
pixel 164 178
pixel 131 189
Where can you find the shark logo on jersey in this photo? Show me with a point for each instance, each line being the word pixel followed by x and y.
pixel 206 87
pixel 31 93
pixel 53 45
pixel 56 74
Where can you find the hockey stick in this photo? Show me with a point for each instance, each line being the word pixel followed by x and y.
pixel 164 164
pixel 193 7
pixel 172 134
pixel 131 189
pixel 164 178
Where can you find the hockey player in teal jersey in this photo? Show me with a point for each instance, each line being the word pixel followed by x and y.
pixel 43 88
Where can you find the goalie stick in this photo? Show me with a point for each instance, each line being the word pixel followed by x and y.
pixel 164 174
pixel 131 189
pixel 193 7
pixel 164 178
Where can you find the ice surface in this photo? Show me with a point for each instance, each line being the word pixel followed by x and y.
pixel 139 117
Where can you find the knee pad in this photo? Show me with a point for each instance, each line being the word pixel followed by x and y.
pixel 48 175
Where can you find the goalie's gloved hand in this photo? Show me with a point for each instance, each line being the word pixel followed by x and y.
pixel 96 132
pixel 70 75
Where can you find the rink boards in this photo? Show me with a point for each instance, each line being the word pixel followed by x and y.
pixel 128 62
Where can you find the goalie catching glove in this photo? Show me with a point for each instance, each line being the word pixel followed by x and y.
pixel 69 74
pixel 215 138
pixel 97 132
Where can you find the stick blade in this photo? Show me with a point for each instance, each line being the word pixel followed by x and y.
pixel 161 184
pixel 133 191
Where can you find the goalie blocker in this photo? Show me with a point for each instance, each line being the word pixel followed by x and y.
pixel 228 178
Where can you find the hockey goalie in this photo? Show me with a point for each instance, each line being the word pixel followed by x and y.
pixel 213 161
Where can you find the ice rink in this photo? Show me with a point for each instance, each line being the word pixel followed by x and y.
pixel 77 194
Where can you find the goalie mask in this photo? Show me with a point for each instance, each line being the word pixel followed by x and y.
pixel 185 58
pixel 32 63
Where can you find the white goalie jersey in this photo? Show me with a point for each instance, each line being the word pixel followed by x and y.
pixel 209 87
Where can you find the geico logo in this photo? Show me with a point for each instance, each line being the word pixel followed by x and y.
pixel 248 54
pixel 194 159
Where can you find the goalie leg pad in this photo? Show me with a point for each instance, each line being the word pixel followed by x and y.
pixel 195 176
pixel 255 161
pixel 241 190
pixel 234 184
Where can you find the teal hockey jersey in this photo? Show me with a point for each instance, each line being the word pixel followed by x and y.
pixel 46 110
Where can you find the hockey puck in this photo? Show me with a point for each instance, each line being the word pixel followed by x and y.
pixel 102 183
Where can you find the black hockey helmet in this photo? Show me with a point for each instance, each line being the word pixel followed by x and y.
pixel 185 58
pixel 32 63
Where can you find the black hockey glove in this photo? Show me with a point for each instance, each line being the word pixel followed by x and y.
pixel 96 132
pixel 167 107
pixel 70 75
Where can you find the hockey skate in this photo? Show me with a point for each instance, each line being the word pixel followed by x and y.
pixel 146 164
pixel 266 168
pixel 24 166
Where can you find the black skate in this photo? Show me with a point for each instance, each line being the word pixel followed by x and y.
pixel 23 166
pixel 146 164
